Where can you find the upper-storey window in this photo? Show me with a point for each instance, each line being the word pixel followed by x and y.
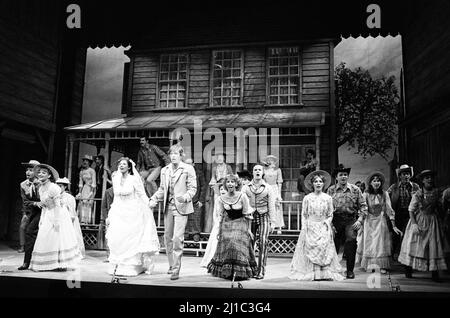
pixel 227 77
pixel 283 76
pixel 173 75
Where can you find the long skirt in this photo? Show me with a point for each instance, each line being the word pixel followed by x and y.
pixel 55 248
pixel 374 243
pixel 424 251
pixel 315 256
pixel 234 255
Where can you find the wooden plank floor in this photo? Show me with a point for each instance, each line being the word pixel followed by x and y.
pixel 94 269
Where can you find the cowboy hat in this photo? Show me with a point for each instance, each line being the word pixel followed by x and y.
pixel 311 175
pixel 341 168
pixel 87 157
pixel 425 173
pixel 378 174
pixel 63 181
pixel 245 174
pixel 31 163
pixel 52 170
pixel 268 158
pixel 404 168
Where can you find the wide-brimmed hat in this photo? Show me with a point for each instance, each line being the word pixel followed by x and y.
pixel 52 170
pixel 270 158
pixel 341 168
pixel 88 157
pixel 404 168
pixel 311 175
pixel 245 174
pixel 63 181
pixel 379 174
pixel 425 173
pixel 30 164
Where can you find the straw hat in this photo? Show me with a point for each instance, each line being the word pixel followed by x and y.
pixel 88 157
pixel 311 175
pixel 52 170
pixel 30 164
pixel 63 181
pixel 404 168
pixel 269 158
pixel 425 173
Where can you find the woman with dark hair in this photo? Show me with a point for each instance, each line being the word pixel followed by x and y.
pixel 234 257
pixel 423 244
pixel 315 256
pixel 374 238
pixel 56 244
pixel 131 230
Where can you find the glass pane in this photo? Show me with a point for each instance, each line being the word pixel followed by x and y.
pixel 283 90
pixel 283 61
pixel 293 60
pixel 216 92
pixel 173 58
pixel 237 73
pixel 274 91
pixel 173 67
pixel 293 80
pixel 219 55
pixel 164 58
pixel 182 67
pixel 273 81
pixel 181 95
pixel 173 86
pixel 226 102
pixel 164 76
pixel 173 95
pixel 180 104
pixel 293 100
pixel 236 91
pixel 172 103
pixel 173 76
pixel 274 100
pixel 227 92
pixel 227 55
pixel 236 54
pixel 182 75
pixel 226 73
pixel 283 99
pixel 216 101
pixel 273 71
pixel 236 83
pixel 182 58
pixel 294 70
pixel 163 95
pixel 164 87
pixel 217 74
pixel 226 83
pixel 163 104
pixel 164 67
pixel 283 81
pixel 237 63
pixel 227 64
pixel 283 70
pixel 293 90
pixel 273 62
pixel 235 101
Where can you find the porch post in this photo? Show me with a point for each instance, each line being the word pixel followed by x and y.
pixel 101 230
pixel 69 154
pixel 318 147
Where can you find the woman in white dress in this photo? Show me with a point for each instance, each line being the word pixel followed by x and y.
pixel 68 202
pixel 212 241
pixel 374 238
pixel 273 176
pixel 56 244
pixel 315 256
pixel 131 235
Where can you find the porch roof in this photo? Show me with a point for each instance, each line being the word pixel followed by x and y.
pixel 232 119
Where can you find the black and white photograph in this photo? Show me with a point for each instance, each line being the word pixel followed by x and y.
pixel 224 150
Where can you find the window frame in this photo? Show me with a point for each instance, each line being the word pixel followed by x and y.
pixel 211 78
pixel 300 74
pixel 158 82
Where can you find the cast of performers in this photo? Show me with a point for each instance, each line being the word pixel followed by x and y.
pixel 374 238
pixel 219 171
pixel 149 160
pixel 315 256
pixel 194 224
pixel 349 204
pixel 87 185
pixel 262 206
pixel 68 202
pixel 131 230
pixel 274 178
pixel 177 188
pixel 401 194
pixel 213 236
pixel 31 207
pixel 234 257
pixel 56 245
pixel 424 242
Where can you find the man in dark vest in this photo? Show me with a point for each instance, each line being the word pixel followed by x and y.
pixel 401 194
pixel 32 207
pixel 262 204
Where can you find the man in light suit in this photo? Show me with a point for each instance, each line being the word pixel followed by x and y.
pixel 177 188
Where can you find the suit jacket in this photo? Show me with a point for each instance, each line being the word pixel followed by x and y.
pixel 28 198
pixel 394 193
pixel 185 185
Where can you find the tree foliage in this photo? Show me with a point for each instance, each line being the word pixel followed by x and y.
pixel 366 111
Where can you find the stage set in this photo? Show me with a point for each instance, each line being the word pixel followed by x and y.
pixel 92 280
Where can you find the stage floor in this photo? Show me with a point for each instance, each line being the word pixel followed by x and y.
pixel 94 269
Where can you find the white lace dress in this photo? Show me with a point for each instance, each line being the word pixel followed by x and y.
pixel 56 244
pixel 131 236
pixel 315 256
